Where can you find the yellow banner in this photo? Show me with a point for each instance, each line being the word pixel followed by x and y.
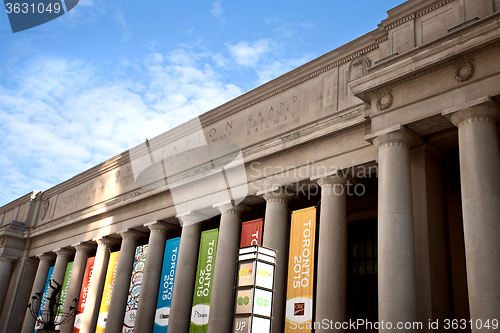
pixel 299 296
pixel 106 293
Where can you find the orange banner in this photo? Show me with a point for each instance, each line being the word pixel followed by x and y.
pixel 108 290
pixel 299 296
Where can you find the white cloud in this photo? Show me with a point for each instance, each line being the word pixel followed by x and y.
pixel 217 9
pixel 246 54
pixel 60 117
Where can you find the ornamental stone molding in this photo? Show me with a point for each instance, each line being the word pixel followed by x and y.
pixel 464 71
pixel 45 208
pixel 384 101
pixel 358 67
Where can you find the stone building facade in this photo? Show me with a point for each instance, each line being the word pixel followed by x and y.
pixel 393 136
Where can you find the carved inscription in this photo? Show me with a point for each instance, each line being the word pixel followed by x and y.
pixel 276 114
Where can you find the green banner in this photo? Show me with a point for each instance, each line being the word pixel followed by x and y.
pixel 203 284
pixel 64 290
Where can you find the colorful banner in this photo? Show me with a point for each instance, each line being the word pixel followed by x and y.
pixel 135 288
pixel 82 300
pixel 64 290
pixel 43 300
pixel 251 233
pixel 203 283
pixel 167 285
pixel 299 296
pixel 108 290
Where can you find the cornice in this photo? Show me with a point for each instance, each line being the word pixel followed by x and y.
pixel 416 14
pixel 454 62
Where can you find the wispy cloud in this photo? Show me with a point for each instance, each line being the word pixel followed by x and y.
pixel 122 21
pixel 249 54
pixel 60 117
pixel 217 9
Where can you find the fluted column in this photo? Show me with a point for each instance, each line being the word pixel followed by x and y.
pixel 480 181
pixel 89 320
pixel 151 278
pixel 277 236
pixel 75 282
pixel 397 289
pixel 5 272
pixel 221 305
pixel 187 262
pixel 331 290
pixel 118 303
pixel 46 261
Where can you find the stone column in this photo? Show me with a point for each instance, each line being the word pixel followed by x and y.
pixel 75 282
pixel 187 262
pixel 480 181
pixel 397 289
pixel 118 303
pixel 62 259
pixel 221 306
pixel 151 278
pixel 89 320
pixel 277 236
pixel 46 261
pixel 331 290
pixel 5 272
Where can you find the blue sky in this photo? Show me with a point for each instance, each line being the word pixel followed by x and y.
pixel 72 90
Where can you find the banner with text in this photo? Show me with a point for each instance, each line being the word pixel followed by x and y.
pixel 64 290
pixel 135 288
pixel 82 300
pixel 43 300
pixel 251 233
pixel 299 296
pixel 203 283
pixel 108 290
pixel 167 285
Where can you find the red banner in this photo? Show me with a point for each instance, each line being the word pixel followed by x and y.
pixel 251 233
pixel 83 294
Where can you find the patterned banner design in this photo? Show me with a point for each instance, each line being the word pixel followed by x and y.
pixel 135 288
pixel 64 290
pixel 167 285
pixel 251 233
pixel 108 290
pixel 82 300
pixel 203 283
pixel 299 297
pixel 45 294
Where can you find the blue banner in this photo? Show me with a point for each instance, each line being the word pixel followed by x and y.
pixel 167 285
pixel 43 300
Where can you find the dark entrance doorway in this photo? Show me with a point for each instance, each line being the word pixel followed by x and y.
pixel 362 293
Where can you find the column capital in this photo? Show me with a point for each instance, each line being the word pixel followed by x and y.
pixel 191 217
pixel 394 136
pixel 229 208
pixel 130 234
pixel 83 247
pixel 64 252
pixel 105 241
pixel 397 138
pixel 483 109
pixel 332 181
pixel 48 257
pixel 158 226
pixel 279 195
